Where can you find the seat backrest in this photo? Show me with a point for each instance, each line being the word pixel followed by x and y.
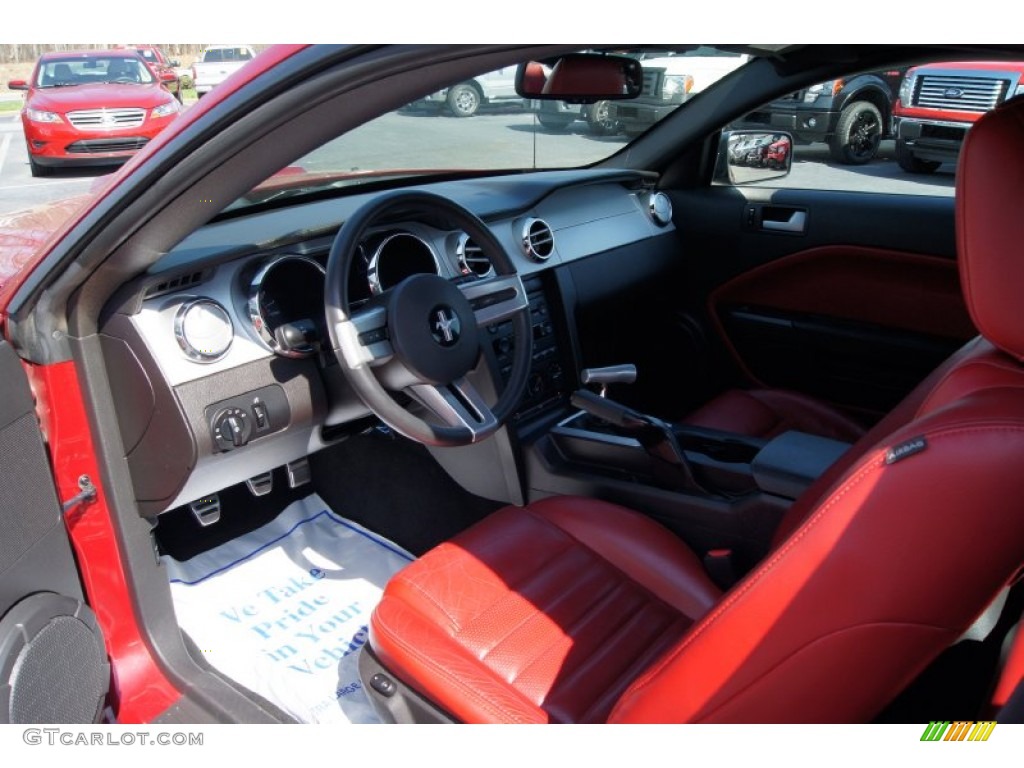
pixel 890 558
pixel 62 73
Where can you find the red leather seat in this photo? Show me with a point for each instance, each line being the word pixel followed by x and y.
pixel 766 413
pixel 576 610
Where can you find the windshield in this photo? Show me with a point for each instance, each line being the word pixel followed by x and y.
pixel 79 70
pixel 482 124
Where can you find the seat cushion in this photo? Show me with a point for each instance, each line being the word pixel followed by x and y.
pixel 540 614
pixel 766 413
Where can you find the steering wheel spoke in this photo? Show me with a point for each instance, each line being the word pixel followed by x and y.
pixel 496 299
pixel 458 404
pixel 363 338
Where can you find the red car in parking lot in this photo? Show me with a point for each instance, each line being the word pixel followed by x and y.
pixel 91 108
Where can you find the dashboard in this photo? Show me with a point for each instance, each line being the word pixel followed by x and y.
pixel 221 352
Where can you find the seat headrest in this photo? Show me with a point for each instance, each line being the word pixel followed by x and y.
pixel 990 225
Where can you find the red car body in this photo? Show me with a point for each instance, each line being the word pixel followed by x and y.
pixel 82 117
pixel 161 66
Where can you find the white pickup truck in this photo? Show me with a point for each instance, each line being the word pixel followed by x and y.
pixel 669 81
pixel 216 63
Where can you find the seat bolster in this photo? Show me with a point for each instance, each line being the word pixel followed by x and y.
pixel 446 672
pixel 642 549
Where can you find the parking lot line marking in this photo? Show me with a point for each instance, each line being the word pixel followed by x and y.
pixel 44 184
pixel 4 146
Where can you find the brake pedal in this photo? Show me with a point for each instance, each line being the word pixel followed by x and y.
pixel 206 510
pixel 261 485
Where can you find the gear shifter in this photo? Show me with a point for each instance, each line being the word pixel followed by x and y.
pixel 655 435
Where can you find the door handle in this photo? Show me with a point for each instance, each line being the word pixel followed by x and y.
pixel 797 222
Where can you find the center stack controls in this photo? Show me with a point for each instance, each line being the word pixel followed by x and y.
pixel 547 381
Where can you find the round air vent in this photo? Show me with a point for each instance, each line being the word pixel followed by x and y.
pixel 472 260
pixel 661 209
pixel 538 240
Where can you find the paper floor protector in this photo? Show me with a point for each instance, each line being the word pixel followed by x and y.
pixel 284 610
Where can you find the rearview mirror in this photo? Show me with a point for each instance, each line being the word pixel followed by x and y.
pixel 17 85
pixel 581 78
pixel 747 157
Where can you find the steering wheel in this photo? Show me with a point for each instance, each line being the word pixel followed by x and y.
pixel 124 79
pixel 422 337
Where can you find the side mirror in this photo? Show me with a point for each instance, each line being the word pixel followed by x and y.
pixel 581 78
pixel 748 157
pixel 17 85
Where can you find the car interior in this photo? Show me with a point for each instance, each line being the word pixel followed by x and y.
pixel 652 458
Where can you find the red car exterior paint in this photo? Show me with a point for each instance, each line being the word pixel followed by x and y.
pixel 139 689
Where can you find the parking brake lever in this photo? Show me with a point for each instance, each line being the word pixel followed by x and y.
pixel 655 435
pixel 610 374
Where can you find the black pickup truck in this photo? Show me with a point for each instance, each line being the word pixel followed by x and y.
pixel 852 116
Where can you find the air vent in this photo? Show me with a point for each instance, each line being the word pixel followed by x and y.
pixel 472 260
pixel 538 241
pixel 181 281
pixel 660 208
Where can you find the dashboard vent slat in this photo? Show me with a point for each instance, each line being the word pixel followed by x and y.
pixel 471 258
pixel 538 240
pixel 176 283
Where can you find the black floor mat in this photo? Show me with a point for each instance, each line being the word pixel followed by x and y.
pixel 394 487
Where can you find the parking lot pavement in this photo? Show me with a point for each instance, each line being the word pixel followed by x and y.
pixel 18 190
pixel 515 140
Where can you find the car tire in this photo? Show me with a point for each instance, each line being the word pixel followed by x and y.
pixel 906 160
pixel 463 100
pixel 38 170
pixel 858 134
pixel 599 121
pixel 555 121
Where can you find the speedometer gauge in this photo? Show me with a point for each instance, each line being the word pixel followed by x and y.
pixel 286 305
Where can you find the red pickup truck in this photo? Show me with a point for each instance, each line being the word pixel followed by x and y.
pixel 939 102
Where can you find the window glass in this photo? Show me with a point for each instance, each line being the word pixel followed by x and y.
pixel 92 70
pixel 897 130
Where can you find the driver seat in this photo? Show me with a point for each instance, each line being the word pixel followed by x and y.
pixel 578 610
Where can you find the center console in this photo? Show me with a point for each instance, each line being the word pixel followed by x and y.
pixel 723 493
